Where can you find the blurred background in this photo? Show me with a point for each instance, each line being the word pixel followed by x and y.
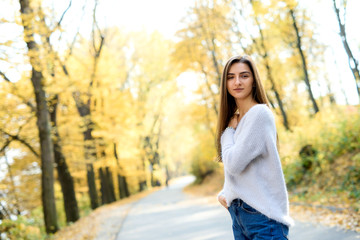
pixel 104 99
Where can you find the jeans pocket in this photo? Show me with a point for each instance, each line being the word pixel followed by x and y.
pixel 247 208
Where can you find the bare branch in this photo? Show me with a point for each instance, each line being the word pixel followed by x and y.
pixel 97 28
pixel 27 102
pixel 93 26
pixel 72 44
pixel 7 143
pixel 62 16
pixel 345 9
pixel 77 33
pixel 353 63
pixel 4 76
pixel 16 137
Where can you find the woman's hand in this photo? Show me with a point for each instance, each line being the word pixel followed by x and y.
pixel 234 121
pixel 222 200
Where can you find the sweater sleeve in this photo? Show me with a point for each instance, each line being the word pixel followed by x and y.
pixel 258 130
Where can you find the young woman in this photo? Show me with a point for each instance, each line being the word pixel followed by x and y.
pixel 254 189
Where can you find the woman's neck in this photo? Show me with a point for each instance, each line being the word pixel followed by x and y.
pixel 244 106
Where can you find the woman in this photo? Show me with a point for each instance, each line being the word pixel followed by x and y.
pixel 254 189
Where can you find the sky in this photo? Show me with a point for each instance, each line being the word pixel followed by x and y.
pixel 165 16
pixel 336 59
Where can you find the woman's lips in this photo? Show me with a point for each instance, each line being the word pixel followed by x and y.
pixel 238 89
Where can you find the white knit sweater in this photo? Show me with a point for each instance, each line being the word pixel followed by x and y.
pixel 252 166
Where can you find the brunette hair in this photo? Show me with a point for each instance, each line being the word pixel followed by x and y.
pixel 227 102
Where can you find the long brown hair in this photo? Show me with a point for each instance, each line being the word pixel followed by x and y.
pixel 227 102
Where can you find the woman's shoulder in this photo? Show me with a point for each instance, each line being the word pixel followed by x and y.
pixel 261 112
pixel 260 108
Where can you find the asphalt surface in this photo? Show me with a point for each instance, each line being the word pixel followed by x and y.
pixel 173 215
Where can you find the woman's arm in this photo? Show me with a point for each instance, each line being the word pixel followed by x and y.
pixel 259 129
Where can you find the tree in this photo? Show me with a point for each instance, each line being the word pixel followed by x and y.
pixel 353 62
pixel 18 132
pixel 84 109
pixel 43 119
pixel 153 81
pixel 261 45
pixel 65 178
pixel 299 46
pixel 205 43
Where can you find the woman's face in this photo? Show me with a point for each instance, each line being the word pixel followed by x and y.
pixel 239 81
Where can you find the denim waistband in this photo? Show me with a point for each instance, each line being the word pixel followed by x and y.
pixel 237 201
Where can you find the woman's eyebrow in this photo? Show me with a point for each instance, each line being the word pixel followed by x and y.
pixel 240 73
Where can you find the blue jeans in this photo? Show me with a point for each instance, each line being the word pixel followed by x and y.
pixel 249 224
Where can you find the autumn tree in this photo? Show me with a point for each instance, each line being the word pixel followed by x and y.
pixel 203 47
pixel 258 45
pixel 17 132
pixel 113 113
pixel 43 118
pixel 83 99
pixel 340 9
pixel 64 176
pixel 292 10
pixel 153 80
pixel 48 72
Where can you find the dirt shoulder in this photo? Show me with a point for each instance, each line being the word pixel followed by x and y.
pixel 103 223
pixel 332 216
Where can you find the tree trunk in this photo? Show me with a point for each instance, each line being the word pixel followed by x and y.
pixel 270 101
pixel 125 186
pixel 353 63
pixel 303 61
pixel 47 153
pixel 107 186
pixel 265 56
pixel 65 178
pixel 211 46
pixel 122 193
pixel 85 112
pixel 277 95
pixel 152 180
pixel 122 185
pixel 92 187
pixel 43 122
pixel 104 189
pixel 89 146
pixel 110 182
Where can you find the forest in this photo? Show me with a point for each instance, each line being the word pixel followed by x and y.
pixel 93 113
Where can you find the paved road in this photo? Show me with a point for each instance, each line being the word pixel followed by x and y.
pixel 169 214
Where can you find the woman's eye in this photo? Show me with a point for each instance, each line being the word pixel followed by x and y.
pixel 245 76
pixel 230 77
